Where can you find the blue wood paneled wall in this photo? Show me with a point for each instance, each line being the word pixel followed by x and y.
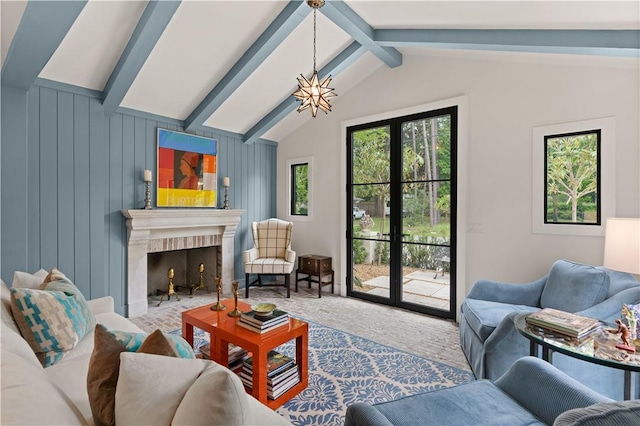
pixel 67 171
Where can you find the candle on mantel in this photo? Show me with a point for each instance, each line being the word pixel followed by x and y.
pixel 226 181
pixel 147 175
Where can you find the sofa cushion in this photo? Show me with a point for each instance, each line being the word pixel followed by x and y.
pixel 52 320
pixel 483 316
pixel 104 366
pixel 603 414
pixel 27 280
pixel 5 308
pixel 573 287
pixel 474 400
pixel 161 390
pixel 29 398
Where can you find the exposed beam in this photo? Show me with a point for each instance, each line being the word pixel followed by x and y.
pixel 152 23
pixel 351 23
pixel 338 64
pixel 592 42
pixel 43 26
pixel 292 15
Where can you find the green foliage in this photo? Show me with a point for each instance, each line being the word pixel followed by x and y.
pixel 301 188
pixel 572 163
pixel 382 252
pixel 359 252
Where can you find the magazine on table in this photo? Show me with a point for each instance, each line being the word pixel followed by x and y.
pixel 565 323
pixel 276 362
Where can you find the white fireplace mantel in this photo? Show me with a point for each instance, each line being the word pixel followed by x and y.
pixel 156 230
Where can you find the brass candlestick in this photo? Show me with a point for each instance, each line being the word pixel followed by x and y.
pixel 236 312
pixel 218 306
pixel 170 290
pixel 201 283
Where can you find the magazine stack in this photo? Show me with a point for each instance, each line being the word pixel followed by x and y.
pixel 236 354
pixel 263 323
pixel 282 373
pixel 563 323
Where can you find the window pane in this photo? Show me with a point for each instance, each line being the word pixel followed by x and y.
pixel 300 189
pixel 572 184
pixel 371 156
pixel 426 149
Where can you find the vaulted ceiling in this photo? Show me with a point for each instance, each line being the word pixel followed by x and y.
pixel 232 65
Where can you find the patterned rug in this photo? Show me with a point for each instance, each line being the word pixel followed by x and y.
pixel 344 368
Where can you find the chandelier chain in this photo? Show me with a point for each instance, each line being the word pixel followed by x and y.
pixel 314 40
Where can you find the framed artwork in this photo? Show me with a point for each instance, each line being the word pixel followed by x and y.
pixel 187 170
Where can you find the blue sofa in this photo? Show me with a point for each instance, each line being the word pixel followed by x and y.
pixel 491 342
pixel 531 392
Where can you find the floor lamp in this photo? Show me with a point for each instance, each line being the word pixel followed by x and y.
pixel 622 245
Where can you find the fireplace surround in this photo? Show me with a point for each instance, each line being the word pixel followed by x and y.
pixel 159 230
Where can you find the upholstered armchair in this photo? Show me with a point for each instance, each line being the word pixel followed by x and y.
pixel 531 392
pixel 271 253
pixel 489 338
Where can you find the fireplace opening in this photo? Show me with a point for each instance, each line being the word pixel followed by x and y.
pixel 185 264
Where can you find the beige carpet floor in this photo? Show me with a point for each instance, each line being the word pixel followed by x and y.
pixel 423 335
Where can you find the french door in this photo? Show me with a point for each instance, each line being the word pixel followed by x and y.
pixel 401 197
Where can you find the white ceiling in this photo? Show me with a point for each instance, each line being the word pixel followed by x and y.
pixel 204 39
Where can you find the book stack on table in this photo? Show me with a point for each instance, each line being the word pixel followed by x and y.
pixel 282 373
pixel 236 354
pixel 563 323
pixel 263 323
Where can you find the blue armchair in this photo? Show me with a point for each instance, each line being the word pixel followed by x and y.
pixel 491 342
pixel 531 392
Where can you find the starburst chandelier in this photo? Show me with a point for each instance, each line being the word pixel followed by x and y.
pixel 313 93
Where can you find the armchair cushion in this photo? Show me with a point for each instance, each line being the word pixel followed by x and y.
pixel 573 287
pixel 531 392
pixel 272 238
pixel 483 316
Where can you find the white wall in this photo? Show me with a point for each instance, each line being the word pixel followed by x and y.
pixel 508 95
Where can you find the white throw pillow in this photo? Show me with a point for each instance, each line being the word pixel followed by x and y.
pixel 150 387
pixel 217 394
pixel 155 389
pixel 27 280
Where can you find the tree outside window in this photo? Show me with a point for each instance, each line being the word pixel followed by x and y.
pixel 300 189
pixel 572 181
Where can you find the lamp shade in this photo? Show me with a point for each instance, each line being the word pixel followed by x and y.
pixel 622 245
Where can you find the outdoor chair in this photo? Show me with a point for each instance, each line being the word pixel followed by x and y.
pixel 271 253
pixel 442 259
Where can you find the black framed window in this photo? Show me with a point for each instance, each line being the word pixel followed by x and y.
pixel 572 188
pixel 299 189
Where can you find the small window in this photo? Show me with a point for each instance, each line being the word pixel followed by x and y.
pixel 572 178
pixel 300 189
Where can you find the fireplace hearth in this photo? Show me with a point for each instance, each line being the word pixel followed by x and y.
pixel 166 230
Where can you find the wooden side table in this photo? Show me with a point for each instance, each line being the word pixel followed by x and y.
pixel 313 265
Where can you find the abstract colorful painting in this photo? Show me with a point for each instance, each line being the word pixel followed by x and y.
pixel 187 170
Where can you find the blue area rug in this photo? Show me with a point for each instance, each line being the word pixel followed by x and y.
pixel 344 368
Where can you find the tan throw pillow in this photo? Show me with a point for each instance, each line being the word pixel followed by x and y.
pixel 226 398
pixel 104 366
pixel 150 388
